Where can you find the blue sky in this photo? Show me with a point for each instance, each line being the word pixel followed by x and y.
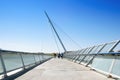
pixel 24 26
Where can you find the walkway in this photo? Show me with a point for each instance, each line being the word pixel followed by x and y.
pixel 62 69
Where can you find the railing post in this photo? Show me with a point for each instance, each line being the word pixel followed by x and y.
pixel 42 57
pixel 111 49
pixel 3 65
pixel 22 61
pixel 76 55
pixel 34 58
pixel 95 55
pixel 79 55
pixel 86 54
pixel 39 58
pixel 111 67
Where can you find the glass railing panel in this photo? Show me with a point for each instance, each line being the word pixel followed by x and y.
pixel 71 56
pixel 107 47
pixel 81 54
pixel 77 54
pixel 76 57
pixel 46 57
pixel 40 56
pixel 85 52
pixel 79 51
pixel 12 60
pixel 116 66
pixel 1 69
pixel 88 59
pixel 102 63
pixel 89 50
pixel 98 48
pixel 117 48
pixel 28 59
pixel 37 59
pixel 43 57
pixel 80 57
pixel 93 50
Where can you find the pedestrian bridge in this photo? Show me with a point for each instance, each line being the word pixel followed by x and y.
pixel 100 62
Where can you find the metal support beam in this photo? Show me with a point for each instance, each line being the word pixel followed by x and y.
pixel 55 32
pixel 112 64
pixel 34 59
pixel 116 43
pixel 86 55
pixel 22 60
pixel 3 65
pixel 40 58
pixel 95 55
pixel 76 55
pixel 79 55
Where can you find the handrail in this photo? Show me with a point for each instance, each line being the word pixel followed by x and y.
pixel 104 56
pixel 14 60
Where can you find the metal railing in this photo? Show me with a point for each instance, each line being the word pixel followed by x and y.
pixel 13 60
pixel 102 58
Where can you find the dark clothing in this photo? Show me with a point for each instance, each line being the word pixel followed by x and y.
pixel 59 55
pixel 54 55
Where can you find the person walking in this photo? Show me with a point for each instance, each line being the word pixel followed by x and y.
pixel 62 55
pixel 59 55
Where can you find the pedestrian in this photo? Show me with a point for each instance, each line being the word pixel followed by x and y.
pixel 54 55
pixel 59 55
pixel 62 55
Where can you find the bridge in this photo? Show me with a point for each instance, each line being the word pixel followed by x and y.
pixel 99 62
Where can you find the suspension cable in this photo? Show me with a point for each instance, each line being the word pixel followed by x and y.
pixel 55 40
pixel 66 34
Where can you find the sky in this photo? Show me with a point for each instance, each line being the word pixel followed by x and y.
pixel 24 26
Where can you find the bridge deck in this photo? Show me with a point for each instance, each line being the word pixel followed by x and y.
pixel 61 69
